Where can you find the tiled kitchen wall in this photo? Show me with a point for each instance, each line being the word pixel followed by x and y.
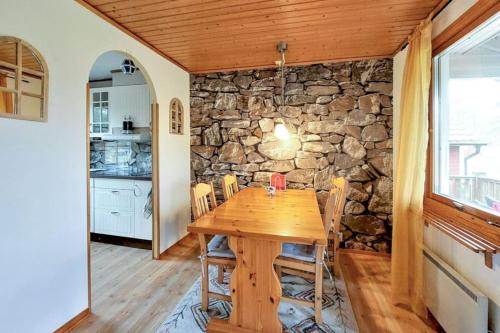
pixel 120 155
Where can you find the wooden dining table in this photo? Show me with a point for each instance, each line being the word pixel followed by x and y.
pixel 257 224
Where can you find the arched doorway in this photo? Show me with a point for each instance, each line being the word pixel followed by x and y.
pixel 122 158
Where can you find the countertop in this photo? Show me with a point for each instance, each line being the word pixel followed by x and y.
pixel 120 174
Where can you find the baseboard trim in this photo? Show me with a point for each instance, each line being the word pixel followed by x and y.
pixel 164 253
pixel 73 321
pixel 363 252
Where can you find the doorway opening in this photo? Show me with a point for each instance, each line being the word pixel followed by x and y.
pixel 122 160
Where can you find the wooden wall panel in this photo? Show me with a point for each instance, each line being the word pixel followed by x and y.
pixel 217 35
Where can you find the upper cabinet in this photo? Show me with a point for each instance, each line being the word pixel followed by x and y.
pixel 110 105
pixel 99 112
pixel 130 101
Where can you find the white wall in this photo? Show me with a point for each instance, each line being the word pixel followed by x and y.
pixel 464 261
pixel 43 255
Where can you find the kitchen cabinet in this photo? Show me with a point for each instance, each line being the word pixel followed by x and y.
pixel 110 105
pixel 130 101
pixel 143 225
pixel 118 208
pixel 92 205
pixel 117 223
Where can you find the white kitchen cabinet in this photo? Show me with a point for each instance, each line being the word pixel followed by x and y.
pixel 114 199
pixel 143 225
pixel 114 222
pixel 130 101
pixel 110 105
pixel 117 208
pixel 92 205
pixel 99 110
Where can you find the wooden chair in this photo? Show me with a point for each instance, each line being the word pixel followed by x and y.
pixel 307 260
pixel 217 251
pixel 333 234
pixel 229 186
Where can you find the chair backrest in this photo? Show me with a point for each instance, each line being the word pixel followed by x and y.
pixel 278 181
pixel 335 205
pixel 199 201
pixel 229 186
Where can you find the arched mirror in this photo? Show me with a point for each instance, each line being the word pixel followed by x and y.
pixel 23 81
pixel 176 116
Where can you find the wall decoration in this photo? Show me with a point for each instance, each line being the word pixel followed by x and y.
pixel 176 116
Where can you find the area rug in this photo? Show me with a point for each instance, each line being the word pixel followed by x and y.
pixel 337 312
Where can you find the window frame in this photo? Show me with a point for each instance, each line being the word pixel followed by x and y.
pixel 179 117
pixel 18 91
pixel 440 204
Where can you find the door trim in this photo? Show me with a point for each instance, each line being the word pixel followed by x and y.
pixel 156 181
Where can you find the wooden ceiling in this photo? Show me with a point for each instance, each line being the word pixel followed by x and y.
pixel 216 35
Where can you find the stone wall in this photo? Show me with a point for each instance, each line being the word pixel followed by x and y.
pixel 112 155
pixel 340 117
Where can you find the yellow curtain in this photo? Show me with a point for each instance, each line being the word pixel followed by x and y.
pixel 5 97
pixel 407 275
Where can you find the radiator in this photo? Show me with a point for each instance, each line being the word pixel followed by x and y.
pixel 456 304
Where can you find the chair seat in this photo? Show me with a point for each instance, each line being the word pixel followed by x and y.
pixel 299 252
pixel 219 247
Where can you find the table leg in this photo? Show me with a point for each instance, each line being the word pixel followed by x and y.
pixel 255 288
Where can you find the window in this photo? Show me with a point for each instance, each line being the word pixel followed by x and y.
pixel 100 112
pixel 23 81
pixel 466 121
pixel 176 117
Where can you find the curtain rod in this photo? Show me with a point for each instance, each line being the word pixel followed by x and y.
pixel 439 8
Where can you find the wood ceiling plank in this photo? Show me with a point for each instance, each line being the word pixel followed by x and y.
pixel 248 10
pixel 293 39
pixel 355 13
pixel 310 46
pixel 142 6
pixel 226 34
pixel 166 11
pixel 327 31
pixel 293 25
pixel 270 55
pixel 213 65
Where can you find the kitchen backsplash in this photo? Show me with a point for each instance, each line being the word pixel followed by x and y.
pixel 111 155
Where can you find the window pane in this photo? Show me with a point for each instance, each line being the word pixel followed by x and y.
pixel 96 97
pixel 96 129
pixel 104 114
pixel 7 99
pixel 30 60
pixel 8 51
pixel 96 115
pixel 31 106
pixel 31 84
pixel 104 96
pixel 467 119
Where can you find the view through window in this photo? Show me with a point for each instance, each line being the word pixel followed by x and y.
pixel 467 119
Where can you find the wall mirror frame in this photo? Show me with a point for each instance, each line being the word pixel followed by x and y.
pixel 23 81
pixel 176 115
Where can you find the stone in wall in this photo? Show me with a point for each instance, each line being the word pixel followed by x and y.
pixel 340 119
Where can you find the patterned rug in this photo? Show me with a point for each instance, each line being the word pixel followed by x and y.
pixel 337 312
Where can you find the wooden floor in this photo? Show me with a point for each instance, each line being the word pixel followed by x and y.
pixel 368 280
pixel 132 293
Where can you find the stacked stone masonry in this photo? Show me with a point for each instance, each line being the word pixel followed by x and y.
pixel 340 119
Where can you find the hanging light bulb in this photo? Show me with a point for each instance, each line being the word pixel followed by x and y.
pixel 281 132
